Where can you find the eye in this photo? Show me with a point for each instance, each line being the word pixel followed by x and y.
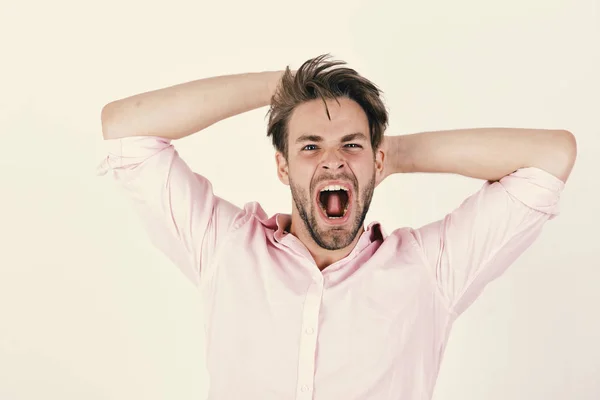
pixel 354 146
pixel 309 145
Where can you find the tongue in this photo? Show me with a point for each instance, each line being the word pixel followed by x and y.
pixel 334 205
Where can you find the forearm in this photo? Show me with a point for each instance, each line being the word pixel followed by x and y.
pixel 178 111
pixel 484 153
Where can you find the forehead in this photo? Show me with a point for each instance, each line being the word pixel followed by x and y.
pixel 311 118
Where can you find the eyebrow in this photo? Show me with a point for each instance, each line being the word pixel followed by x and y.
pixel 345 138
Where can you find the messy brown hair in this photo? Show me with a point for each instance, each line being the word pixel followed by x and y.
pixel 317 78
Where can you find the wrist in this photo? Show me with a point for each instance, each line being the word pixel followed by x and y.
pixel 398 154
pixel 272 82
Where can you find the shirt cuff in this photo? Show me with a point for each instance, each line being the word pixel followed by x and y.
pixel 536 188
pixel 131 150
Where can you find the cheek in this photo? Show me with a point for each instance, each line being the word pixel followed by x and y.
pixel 363 170
pixel 301 179
pixel 301 172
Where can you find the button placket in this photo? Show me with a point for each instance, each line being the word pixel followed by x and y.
pixel 308 340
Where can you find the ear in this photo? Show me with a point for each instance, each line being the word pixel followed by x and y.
pixel 282 168
pixel 380 172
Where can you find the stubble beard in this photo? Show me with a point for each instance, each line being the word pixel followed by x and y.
pixel 333 238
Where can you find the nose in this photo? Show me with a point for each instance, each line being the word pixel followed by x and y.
pixel 333 161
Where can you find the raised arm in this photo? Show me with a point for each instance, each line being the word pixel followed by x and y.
pixel 525 172
pixel 484 153
pixel 184 219
pixel 178 111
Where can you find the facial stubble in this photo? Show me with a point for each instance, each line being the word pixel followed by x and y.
pixel 332 238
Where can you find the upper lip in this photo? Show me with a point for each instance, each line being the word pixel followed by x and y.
pixel 345 184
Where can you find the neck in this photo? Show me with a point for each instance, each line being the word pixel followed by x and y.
pixel 322 257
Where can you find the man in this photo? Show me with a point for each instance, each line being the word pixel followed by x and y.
pixel 312 305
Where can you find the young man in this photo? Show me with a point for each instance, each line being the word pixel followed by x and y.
pixel 312 305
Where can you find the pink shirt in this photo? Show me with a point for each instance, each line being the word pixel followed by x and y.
pixel 373 325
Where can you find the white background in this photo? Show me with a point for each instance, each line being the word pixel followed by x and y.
pixel 88 310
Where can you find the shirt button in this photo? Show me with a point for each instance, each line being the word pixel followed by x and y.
pixel 304 388
pixel 310 331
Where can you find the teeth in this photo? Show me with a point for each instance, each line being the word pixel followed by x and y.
pixel 332 188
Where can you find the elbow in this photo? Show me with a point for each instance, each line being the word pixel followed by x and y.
pixel 569 147
pixel 104 118
pixel 107 121
pixel 564 154
pixel 555 153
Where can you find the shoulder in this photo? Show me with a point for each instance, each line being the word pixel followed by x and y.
pixel 253 214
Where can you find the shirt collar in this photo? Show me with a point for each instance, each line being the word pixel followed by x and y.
pixel 280 222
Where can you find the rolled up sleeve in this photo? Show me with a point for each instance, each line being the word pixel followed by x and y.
pixel 480 239
pixel 177 207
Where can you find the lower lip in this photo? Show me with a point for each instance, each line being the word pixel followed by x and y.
pixel 336 221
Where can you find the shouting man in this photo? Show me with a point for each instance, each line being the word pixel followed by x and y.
pixel 313 305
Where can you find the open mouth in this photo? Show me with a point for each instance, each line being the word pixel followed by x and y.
pixel 334 201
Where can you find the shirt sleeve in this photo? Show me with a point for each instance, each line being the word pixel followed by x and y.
pixel 480 239
pixel 177 207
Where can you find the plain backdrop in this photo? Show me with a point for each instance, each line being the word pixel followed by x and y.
pixel 89 310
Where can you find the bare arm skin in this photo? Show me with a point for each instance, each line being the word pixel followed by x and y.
pixel 181 110
pixel 484 153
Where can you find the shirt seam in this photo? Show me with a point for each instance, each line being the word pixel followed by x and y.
pixel 239 221
pixel 438 290
pixel 490 258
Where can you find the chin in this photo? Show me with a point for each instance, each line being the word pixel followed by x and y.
pixel 334 235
